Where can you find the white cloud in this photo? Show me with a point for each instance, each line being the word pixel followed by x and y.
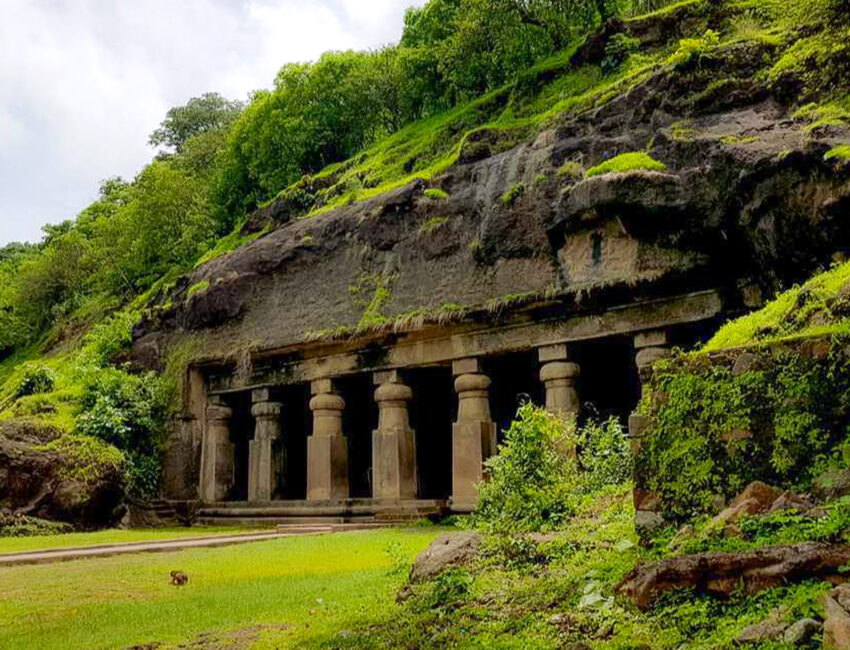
pixel 83 82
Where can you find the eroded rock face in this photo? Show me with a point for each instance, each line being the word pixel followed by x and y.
pixel 721 574
pixel 746 195
pixel 34 482
pixel 449 550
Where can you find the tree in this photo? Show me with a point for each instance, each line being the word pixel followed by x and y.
pixel 209 112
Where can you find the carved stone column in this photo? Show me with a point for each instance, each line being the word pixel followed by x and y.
pixel 559 377
pixel 649 348
pixel 264 460
pixel 394 442
pixel 327 448
pixel 217 465
pixel 473 435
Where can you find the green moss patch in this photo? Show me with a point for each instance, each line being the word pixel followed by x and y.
pixel 627 162
pixel 820 307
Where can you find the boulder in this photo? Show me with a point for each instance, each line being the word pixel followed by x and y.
pixel 757 497
pixel 449 550
pixel 836 628
pixel 801 632
pixel 50 483
pixel 721 574
pixel 771 628
pixel 790 501
pixel 832 484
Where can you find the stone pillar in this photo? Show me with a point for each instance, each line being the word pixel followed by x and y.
pixel 473 435
pixel 217 462
pixel 264 460
pixel 327 448
pixel 649 348
pixel 394 442
pixel 559 376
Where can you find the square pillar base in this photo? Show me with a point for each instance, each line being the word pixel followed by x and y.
pixel 327 468
pixel 472 444
pixel 394 464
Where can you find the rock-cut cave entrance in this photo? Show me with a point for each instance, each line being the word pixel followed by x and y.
pixel 433 409
pixel 515 380
pixel 359 420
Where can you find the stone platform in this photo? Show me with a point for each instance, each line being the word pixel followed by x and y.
pixel 347 511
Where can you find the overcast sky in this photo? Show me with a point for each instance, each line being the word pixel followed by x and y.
pixel 83 82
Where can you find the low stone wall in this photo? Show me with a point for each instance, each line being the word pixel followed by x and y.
pixel 710 424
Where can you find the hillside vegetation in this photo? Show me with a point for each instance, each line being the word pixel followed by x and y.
pixel 467 78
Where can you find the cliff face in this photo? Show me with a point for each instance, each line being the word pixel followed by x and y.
pixel 743 201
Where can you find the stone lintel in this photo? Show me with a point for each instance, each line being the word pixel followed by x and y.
pixel 651 339
pixel 261 395
pixel 557 352
pixel 616 321
pixel 322 387
pixel 471 366
pixel 217 400
pixel 386 377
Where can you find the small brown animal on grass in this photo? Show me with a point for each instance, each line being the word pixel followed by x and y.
pixel 178 578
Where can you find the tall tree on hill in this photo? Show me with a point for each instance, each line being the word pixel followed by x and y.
pixel 209 112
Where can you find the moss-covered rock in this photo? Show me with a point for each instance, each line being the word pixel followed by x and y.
pixel 47 474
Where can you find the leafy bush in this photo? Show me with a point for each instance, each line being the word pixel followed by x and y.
pixel 606 457
pixel 37 379
pixel 128 411
pixel 617 50
pixel 533 479
pixel 627 162
pixel 716 431
pixel 24 526
pixel 124 410
pixel 451 586
pixel 692 51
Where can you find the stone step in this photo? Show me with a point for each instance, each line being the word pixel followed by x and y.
pixel 291 523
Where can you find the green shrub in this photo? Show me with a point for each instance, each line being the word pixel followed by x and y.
pixel 129 412
pixel 451 586
pixel 714 432
pixel 533 479
pixel 37 379
pixel 606 457
pixel 692 51
pixel 24 526
pixel 627 162
pixel 617 50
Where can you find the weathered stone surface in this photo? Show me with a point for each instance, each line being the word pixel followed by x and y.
pixel 613 231
pixel 757 497
pixel 836 628
pixel 832 484
pixel 790 501
pixel 449 550
pixel 802 631
pixel 771 628
pixel 722 573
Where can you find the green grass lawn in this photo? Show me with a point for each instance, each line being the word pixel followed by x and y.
pixel 302 588
pixel 112 536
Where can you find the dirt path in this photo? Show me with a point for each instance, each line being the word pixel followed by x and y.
pixel 46 556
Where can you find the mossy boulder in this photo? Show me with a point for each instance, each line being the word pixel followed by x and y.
pixel 47 474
